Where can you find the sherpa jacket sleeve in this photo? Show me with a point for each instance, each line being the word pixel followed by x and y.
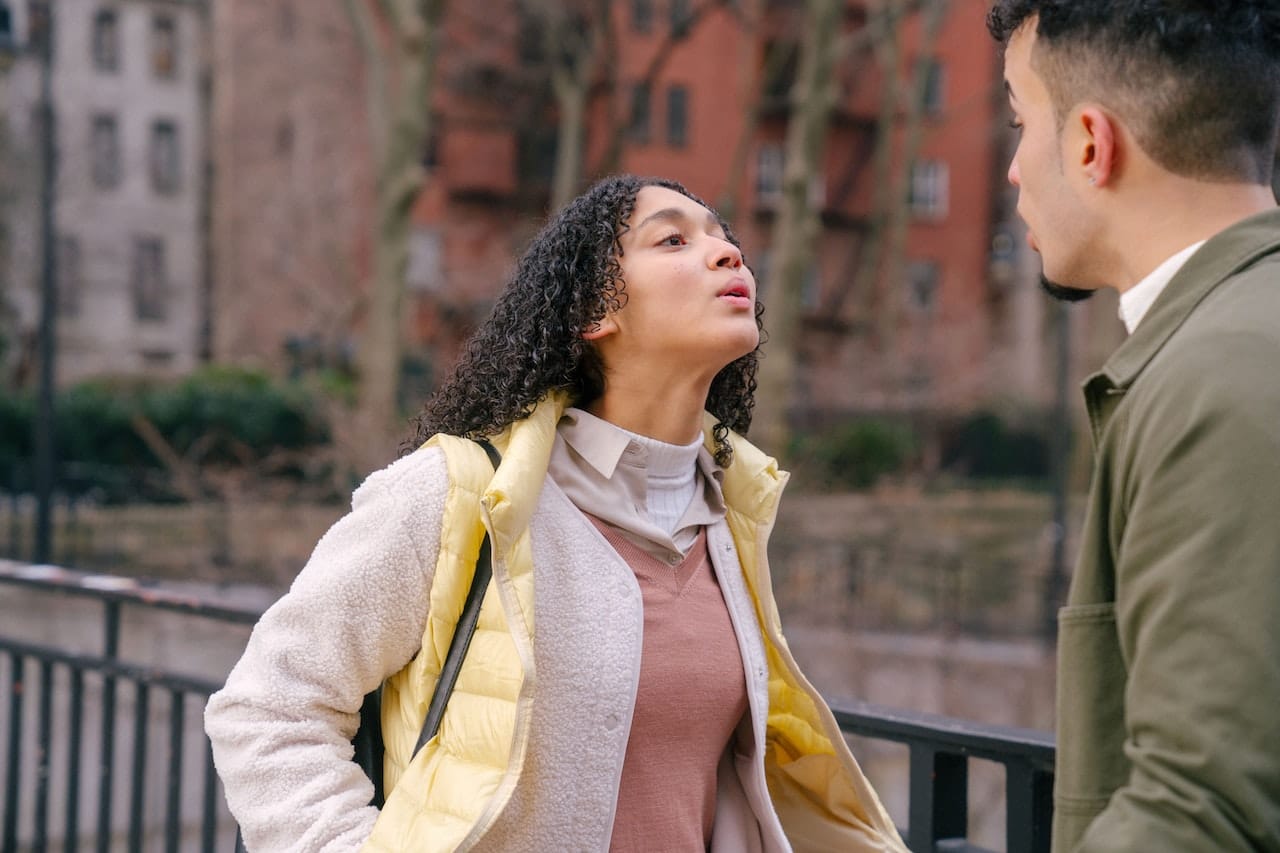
pixel 281 727
pixel 1198 604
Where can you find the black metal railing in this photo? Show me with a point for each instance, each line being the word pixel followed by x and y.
pixel 940 750
pixel 44 688
pixel 80 695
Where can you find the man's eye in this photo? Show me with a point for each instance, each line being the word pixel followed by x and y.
pixel 1016 125
pixel 674 239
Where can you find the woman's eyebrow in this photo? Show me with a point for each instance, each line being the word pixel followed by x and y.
pixel 675 214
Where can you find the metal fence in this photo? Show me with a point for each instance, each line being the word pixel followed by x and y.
pixel 159 791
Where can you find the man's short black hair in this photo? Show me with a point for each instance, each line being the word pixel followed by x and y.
pixel 1197 81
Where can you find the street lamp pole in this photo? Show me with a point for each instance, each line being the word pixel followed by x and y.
pixel 44 440
pixel 1060 446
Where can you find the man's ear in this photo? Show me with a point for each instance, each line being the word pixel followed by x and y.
pixel 601 328
pixel 1099 155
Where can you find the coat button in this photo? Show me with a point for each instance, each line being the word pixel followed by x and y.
pixel 612 722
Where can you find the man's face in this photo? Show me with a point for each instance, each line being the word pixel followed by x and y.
pixel 1058 227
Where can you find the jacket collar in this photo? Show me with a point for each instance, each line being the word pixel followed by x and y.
pixel 753 482
pixel 1222 256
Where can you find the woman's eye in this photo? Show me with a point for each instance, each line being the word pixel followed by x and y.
pixel 1016 125
pixel 675 239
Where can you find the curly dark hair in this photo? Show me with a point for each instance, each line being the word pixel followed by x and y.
pixel 532 344
pixel 1195 79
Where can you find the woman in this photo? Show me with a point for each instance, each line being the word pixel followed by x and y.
pixel 628 687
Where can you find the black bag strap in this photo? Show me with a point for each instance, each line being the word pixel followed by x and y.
pixel 368 745
pixel 463 633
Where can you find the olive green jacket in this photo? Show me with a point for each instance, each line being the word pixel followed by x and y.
pixel 1169 646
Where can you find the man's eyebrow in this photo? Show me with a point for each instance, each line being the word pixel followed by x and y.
pixel 1008 88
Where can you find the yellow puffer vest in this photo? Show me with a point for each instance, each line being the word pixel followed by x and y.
pixel 451 793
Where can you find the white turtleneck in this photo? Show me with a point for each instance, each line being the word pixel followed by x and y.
pixel 658 494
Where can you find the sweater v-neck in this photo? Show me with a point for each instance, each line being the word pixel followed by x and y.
pixel 648 569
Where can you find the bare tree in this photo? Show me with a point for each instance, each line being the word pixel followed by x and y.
pixel 400 42
pixel 619 124
pixel 778 56
pixel 578 37
pixel 574 35
pixel 798 225
pixel 899 210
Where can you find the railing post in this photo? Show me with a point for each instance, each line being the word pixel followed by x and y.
pixel 76 724
pixel 12 772
pixel 939 798
pixel 44 750
pixel 1029 798
pixel 111 625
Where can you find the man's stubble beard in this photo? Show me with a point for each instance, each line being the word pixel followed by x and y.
pixel 1064 293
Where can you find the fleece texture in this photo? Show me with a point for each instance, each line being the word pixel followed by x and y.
pixel 559 689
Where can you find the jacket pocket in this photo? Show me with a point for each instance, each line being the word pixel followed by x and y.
pixel 1091 763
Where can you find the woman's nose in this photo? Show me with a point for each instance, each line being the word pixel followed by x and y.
pixel 727 255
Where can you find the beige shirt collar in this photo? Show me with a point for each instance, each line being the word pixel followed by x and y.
pixel 602 470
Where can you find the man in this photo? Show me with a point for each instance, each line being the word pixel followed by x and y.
pixel 1148 137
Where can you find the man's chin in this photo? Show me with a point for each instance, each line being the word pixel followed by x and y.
pixel 1064 293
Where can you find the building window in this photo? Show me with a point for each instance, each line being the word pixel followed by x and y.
pixel 70 275
pixel 6 27
pixel 284 137
pixel 923 278
pixel 157 359
pixel 164 47
pixel 638 128
pixel 104 152
pixel 106 40
pixel 164 157
pixel 642 15
pixel 770 158
pixel 930 189
pixel 677 116
pixel 935 82
pixel 287 23
pixel 425 272
pixel 680 17
pixel 150 283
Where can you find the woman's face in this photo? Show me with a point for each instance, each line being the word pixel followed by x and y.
pixel 690 301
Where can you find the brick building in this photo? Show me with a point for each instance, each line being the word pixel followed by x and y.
pixel 294 181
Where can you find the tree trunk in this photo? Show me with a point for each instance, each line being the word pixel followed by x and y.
pixel 899 212
pixel 862 288
pixel 400 115
pixel 571 97
pixel 774 61
pixel 611 160
pixel 573 47
pixel 798 226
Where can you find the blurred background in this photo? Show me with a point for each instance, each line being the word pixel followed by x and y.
pixel 240 243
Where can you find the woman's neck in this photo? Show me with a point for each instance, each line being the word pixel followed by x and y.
pixel 673 415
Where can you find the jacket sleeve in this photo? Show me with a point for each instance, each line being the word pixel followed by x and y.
pixel 1198 605
pixel 282 725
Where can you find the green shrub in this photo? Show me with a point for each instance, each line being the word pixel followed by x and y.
pixel 856 454
pixel 215 416
pixel 984 446
pixel 237 415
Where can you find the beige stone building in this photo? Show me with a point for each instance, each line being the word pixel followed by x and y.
pixel 128 80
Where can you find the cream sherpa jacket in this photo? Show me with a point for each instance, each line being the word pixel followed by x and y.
pixel 531 750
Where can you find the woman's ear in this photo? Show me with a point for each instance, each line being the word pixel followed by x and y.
pixel 601 328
